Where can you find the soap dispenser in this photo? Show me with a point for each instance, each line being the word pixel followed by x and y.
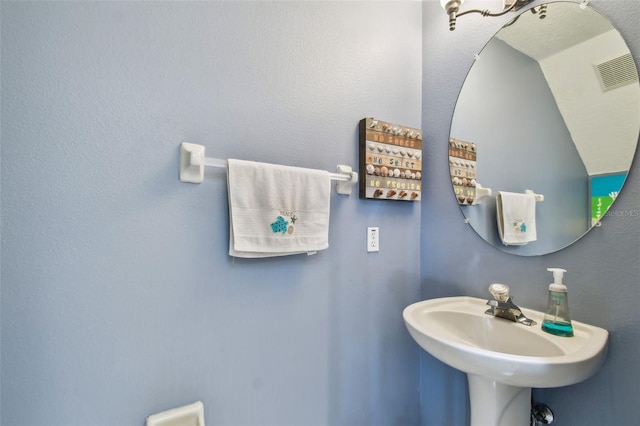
pixel 557 320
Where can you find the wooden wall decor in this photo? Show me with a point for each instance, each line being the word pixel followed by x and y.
pixel 390 161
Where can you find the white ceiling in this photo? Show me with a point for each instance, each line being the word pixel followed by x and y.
pixel 567 44
pixel 565 25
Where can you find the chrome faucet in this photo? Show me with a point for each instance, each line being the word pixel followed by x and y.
pixel 503 307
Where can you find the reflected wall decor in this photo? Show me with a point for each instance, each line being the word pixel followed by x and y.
pixel 462 167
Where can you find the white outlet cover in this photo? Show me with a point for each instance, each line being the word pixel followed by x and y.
pixel 373 238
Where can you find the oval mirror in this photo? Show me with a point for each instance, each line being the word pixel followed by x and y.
pixel 550 108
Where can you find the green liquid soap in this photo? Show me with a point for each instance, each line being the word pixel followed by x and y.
pixel 558 328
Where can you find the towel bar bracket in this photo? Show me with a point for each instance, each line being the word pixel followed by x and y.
pixel 344 187
pixel 481 192
pixel 539 197
pixel 193 161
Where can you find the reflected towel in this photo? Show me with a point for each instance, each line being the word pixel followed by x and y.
pixel 516 216
pixel 277 210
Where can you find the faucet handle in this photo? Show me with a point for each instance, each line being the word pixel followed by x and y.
pixel 500 292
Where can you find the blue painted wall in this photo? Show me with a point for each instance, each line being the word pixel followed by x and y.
pixel 118 296
pixel 604 267
pixel 512 148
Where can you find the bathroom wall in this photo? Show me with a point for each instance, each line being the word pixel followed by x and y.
pixel 504 79
pixel 603 269
pixel 118 296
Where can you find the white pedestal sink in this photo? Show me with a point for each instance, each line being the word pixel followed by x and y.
pixel 503 359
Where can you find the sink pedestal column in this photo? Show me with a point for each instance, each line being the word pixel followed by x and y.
pixel 497 404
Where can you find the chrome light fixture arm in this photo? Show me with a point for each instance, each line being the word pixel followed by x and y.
pixel 452 8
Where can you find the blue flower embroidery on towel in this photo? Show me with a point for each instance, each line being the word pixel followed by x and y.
pixel 519 225
pixel 280 225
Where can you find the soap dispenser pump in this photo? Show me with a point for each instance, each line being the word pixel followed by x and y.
pixel 557 319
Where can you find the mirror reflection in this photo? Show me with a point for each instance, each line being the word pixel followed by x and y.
pixel 551 106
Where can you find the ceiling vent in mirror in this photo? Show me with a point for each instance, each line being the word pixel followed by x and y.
pixel 616 72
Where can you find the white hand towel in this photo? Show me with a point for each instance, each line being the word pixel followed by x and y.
pixel 277 210
pixel 516 216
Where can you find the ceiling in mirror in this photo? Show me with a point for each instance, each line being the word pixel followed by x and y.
pixel 552 106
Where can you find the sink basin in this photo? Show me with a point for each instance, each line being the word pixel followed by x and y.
pixel 458 332
pixel 503 359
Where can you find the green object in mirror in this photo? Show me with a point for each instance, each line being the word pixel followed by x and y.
pixel 553 106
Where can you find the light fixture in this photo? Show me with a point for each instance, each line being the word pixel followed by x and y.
pixel 452 7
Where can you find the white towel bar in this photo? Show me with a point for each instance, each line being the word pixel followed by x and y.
pixel 193 161
pixel 482 192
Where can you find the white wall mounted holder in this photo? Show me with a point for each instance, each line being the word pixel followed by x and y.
pixel 193 161
pixel 482 192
